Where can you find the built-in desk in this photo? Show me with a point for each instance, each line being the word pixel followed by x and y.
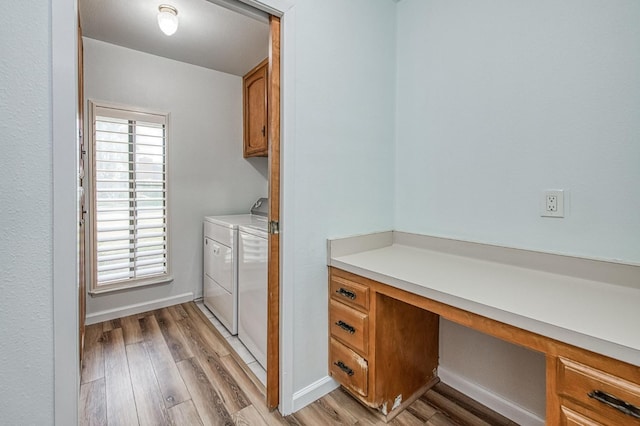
pixel 388 290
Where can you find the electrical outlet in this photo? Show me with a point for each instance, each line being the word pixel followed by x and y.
pixel 553 203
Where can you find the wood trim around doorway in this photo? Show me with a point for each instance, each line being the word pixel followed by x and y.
pixel 273 286
pixel 82 282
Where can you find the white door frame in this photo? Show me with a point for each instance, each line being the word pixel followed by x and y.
pixel 64 74
pixel 65 220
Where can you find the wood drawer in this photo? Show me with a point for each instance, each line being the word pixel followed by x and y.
pixel 349 326
pixel 573 418
pixel 577 382
pixel 348 368
pixel 349 292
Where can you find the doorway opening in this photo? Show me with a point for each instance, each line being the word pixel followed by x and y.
pixel 273 176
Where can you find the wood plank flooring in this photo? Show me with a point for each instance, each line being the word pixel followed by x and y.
pixel 172 367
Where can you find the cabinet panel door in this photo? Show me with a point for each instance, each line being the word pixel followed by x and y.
pixel 255 112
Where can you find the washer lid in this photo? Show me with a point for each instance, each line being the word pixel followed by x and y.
pixel 231 221
pixel 258 228
pixel 259 210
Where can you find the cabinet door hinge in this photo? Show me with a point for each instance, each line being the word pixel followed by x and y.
pixel 274 227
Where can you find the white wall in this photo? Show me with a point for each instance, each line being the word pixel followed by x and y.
pixel 338 170
pixel 499 100
pixel 26 234
pixel 207 174
pixel 508 378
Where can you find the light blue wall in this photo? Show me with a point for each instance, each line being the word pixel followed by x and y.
pixel 496 102
pixel 343 178
pixel 499 100
pixel 342 182
pixel 26 235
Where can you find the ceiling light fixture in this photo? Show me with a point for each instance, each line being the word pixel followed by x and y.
pixel 167 19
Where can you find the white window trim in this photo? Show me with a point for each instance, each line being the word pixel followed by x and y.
pixel 94 289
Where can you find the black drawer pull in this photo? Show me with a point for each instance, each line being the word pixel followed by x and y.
pixel 346 293
pixel 346 327
pixel 344 368
pixel 613 402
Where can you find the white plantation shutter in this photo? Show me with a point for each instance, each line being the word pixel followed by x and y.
pixel 129 196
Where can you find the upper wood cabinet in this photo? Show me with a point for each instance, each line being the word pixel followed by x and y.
pixel 254 95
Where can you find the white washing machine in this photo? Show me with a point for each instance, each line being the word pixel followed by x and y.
pixel 252 289
pixel 220 262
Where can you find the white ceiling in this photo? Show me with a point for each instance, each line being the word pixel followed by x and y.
pixel 208 35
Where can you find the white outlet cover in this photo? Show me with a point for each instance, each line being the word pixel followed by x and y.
pixel 559 211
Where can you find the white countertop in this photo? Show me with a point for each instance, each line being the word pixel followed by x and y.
pixel 598 315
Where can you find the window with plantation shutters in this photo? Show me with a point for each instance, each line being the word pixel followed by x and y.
pixel 129 197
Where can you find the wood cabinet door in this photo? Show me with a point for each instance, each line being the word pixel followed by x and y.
pixel 255 111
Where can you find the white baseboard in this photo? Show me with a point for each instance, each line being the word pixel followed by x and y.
pixel 314 391
pixel 492 400
pixel 137 308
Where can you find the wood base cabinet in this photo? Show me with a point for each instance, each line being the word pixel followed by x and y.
pixel 594 390
pixel 381 350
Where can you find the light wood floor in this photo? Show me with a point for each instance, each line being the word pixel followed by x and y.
pixel 172 367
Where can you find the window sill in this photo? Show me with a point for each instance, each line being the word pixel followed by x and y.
pixel 112 288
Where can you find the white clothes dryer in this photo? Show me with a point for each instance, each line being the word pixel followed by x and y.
pixel 220 262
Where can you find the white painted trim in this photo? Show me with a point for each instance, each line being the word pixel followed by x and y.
pixel 492 400
pixel 243 9
pixel 273 7
pixel 64 100
pixel 138 308
pixel 287 179
pixel 96 107
pixel 314 391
